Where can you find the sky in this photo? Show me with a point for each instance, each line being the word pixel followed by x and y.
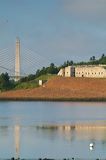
pixel 57 30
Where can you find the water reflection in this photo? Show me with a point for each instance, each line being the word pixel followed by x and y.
pixel 80 132
pixel 58 137
pixel 4 131
pixel 52 130
pixel 17 140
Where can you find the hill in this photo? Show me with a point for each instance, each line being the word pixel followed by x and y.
pixel 61 88
pixel 33 83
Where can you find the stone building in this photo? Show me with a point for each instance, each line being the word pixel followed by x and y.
pixel 61 72
pixel 91 71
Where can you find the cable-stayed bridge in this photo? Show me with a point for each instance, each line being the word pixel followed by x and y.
pixel 27 62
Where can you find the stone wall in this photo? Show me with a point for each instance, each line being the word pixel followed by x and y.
pixel 90 71
pixel 61 72
pixel 84 71
pixel 68 71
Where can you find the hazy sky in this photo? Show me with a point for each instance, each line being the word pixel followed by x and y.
pixel 57 29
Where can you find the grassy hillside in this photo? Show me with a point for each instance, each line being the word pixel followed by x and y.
pixel 34 83
pixel 45 77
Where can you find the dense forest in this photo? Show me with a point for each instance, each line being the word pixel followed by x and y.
pixel 6 83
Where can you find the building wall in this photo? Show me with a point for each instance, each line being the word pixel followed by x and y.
pixel 90 71
pixel 61 72
pixel 84 71
pixel 68 71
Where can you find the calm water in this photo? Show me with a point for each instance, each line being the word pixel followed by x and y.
pixel 52 129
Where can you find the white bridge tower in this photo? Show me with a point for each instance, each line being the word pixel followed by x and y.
pixel 17 60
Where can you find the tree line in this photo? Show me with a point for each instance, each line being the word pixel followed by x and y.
pixel 92 61
pixel 6 83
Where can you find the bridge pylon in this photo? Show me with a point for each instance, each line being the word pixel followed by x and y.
pixel 17 60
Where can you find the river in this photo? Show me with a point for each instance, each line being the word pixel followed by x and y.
pixel 52 129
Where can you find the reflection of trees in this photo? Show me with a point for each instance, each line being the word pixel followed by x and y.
pixel 71 132
pixel 47 131
pixel 4 131
pixel 53 131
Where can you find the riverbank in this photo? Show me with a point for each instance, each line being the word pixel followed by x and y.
pixel 53 99
pixel 62 89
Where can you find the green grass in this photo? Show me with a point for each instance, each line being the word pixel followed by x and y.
pixel 46 77
pixel 34 83
pixel 26 85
